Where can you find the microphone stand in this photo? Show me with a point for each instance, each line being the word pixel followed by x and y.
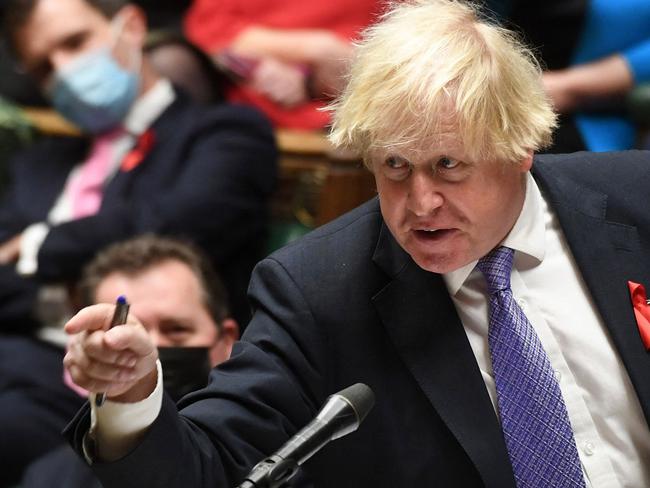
pixel 341 415
pixel 272 472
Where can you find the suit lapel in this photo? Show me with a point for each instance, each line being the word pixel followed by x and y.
pixel 164 129
pixel 421 320
pixel 608 255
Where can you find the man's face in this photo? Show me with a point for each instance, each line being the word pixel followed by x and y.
pixel 167 299
pixel 443 209
pixel 57 32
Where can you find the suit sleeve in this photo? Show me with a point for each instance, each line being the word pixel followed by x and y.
pixel 215 193
pixel 271 387
pixel 12 220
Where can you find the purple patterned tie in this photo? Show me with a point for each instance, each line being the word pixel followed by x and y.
pixel 534 419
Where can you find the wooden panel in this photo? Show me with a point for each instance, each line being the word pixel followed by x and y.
pixel 303 142
pixel 48 121
pixel 317 182
pixel 346 187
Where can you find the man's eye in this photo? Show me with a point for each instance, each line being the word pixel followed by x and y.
pixel 395 162
pixel 448 163
pixel 174 330
pixel 396 168
pixel 74 42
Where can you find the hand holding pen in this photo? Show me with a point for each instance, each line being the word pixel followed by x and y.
pixel 103 358
pixel 119 318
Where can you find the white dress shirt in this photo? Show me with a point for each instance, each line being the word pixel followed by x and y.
pixel 611 434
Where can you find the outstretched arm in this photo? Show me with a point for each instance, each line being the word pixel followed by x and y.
pixel 587 84
pixel 270 388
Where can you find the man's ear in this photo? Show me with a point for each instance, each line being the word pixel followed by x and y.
pixel 135 24
pixel 230 330
pixel 527 163
pixel 228 335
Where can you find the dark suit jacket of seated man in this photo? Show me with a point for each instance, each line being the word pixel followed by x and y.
pixel 207 177
pixel 184 170
pixel 447 110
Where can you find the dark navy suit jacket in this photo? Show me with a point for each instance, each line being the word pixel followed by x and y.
pixel 208 177
pixel 346 304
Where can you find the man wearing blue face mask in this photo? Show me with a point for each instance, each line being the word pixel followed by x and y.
pixel 93 90
pixel 151 161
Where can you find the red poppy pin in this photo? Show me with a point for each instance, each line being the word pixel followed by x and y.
pixel 641 311
pixel 142 147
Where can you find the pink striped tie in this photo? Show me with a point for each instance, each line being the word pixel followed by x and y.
pixel 87 187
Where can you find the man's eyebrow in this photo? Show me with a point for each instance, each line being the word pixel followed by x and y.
pixel 74 39
pixel 71 41
pixel 176 322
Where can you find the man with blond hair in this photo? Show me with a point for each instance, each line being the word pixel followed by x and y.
pixel 491 308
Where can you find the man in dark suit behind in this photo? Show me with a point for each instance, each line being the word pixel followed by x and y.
pixel 149 160
pixel 487 305
pixel 183 304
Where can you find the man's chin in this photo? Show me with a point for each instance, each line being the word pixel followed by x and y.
pixel 439 263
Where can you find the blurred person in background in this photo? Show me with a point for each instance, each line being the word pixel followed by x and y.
pixel 149 160
pixel 284 56
pixel 594 53
pixel 184 309
pixel 152 161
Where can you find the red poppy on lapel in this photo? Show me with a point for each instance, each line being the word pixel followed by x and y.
pixel 142 147
pixel 641 311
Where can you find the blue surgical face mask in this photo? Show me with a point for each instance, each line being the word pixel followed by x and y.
pixel 93 91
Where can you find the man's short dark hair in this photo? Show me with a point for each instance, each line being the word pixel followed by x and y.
pixel 139 254
pixel 15 14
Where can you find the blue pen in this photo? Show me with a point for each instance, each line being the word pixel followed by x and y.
pixel 119 318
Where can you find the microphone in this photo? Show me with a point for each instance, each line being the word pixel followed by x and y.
pixel 341 414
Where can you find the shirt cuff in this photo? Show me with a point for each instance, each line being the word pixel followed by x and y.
pixel 117 427
pixel 30 243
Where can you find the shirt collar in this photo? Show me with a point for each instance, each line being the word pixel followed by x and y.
pixel 149 107
pixel 527 236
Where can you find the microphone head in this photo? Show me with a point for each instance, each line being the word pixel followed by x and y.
pixel 360 397
pixel 341 414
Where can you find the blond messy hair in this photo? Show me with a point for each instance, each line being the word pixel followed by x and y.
pixel 426 56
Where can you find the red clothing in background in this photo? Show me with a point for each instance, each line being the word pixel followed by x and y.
pixel 213 24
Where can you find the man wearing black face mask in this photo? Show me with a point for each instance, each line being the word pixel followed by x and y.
pixel 183 306
pixel 150 161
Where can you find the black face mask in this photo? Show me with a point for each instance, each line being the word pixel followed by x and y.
pixel 185 369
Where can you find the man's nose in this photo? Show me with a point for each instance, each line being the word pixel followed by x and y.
pixel 424 194
pixel 157 338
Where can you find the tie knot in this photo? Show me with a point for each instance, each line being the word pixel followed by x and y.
pixel 109 137
pixel 496 267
